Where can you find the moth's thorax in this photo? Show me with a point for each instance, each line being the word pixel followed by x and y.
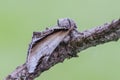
pixel 66 22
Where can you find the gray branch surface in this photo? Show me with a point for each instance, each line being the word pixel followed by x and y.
pixel 72 44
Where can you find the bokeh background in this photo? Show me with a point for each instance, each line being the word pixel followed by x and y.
pixel 19 18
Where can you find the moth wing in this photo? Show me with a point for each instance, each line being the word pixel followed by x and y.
pixel 44 47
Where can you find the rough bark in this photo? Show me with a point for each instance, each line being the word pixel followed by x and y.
pixel 77 42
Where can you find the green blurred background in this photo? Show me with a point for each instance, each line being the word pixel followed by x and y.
pixel 19 18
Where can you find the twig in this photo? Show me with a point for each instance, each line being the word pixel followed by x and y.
pixel 76 42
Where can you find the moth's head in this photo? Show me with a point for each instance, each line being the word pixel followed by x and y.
pixel 66 22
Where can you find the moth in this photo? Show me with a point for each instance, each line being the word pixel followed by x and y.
pixel 44 43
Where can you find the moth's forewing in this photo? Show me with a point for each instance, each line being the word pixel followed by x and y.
pixel 44 47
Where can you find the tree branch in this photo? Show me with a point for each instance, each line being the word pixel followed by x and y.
pixel 76 42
